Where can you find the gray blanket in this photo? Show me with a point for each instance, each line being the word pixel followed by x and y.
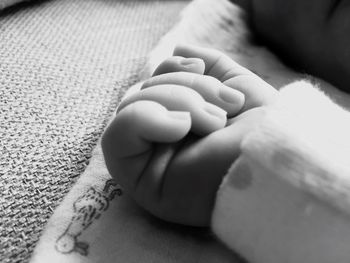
pixel 64 65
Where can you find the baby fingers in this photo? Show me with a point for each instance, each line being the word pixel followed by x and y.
pixel 180 64
pixel 217 64
pixel 257 92
pixel 206 117
pixel 211 89
pixel 127 142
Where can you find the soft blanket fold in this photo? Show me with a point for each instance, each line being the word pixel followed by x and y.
pixel 271 200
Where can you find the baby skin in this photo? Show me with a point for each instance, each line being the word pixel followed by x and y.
pixel 172 142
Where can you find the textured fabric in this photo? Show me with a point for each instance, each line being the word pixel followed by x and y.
pixel 63 67
pixel 292 174
pixel 121 231
pixel 97 222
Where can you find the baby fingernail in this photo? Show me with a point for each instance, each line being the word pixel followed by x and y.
pixel 215 111
pixel 179 115
pixel 229 95
pixel 190 61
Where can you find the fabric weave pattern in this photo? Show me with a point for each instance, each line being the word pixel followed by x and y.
pixel 64 65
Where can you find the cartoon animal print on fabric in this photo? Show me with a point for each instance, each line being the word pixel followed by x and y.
pixel 86 209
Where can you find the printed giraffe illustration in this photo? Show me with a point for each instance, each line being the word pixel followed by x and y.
pixel 86 209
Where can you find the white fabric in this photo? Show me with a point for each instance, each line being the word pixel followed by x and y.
pixel 287 198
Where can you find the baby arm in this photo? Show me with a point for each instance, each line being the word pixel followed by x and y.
pixel 171 143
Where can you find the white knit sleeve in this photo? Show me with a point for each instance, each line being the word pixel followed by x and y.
pixel 287 197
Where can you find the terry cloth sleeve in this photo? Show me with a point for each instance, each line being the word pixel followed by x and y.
pixel 287 197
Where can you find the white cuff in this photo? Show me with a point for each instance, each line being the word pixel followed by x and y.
pixel 287 198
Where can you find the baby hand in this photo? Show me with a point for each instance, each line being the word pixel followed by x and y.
pixel 171 143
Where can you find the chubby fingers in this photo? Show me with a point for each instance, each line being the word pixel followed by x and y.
pixel 257 92
pixel 206 117
pixel 217 64
pixel 211 89
pixel 180 64
pixel 127 142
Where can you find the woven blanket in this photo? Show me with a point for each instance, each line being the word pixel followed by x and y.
pixel 97 222
pixel 64 66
